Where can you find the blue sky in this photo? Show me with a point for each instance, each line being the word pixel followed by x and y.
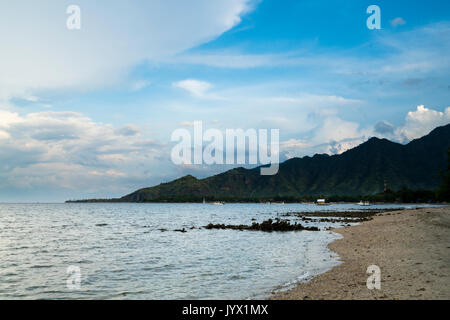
pixel 89 113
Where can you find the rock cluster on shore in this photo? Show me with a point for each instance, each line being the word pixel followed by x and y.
pixel 267 226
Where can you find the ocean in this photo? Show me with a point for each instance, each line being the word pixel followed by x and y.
pixel 131 251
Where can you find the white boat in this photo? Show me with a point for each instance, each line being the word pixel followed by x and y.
pixel 321 202
pixel 218 203
pixel 365 203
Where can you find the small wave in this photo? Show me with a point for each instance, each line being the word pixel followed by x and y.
pixel 41 266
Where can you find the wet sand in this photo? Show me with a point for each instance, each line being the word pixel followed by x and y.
pixel 411 247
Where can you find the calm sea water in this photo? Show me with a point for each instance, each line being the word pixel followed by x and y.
pixel 122 253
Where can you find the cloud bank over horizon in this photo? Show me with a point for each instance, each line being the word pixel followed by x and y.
pixel 69 152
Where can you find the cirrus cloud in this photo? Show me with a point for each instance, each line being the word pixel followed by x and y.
pixel 49 56
pixel 195 87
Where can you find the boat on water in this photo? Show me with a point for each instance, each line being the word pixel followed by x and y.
pixel 364 203
pixel 321 202
pixel 218 203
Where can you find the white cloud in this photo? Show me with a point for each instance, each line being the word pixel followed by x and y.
pixel 333 135
pixel 38 52
pixel 139 85
pixel 336 129
pixel 420 122
pixel 8 118
pixel 70 150
pixel 294 143
pixel 398 22
pixel 4 135
pixel 32 99
pixel 234 60
pixel 111 172
pixel 314 100
pixel 197 88
pixel 187 124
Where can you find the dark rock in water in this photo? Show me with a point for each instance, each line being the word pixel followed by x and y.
pixel 266 226
pixel 177 230
pixel 101 225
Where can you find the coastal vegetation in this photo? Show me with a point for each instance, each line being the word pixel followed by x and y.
pixel 443 193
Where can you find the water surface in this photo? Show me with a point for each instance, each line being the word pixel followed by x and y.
pixel 123 254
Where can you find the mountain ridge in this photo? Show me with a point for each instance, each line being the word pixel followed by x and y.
pixel 361 170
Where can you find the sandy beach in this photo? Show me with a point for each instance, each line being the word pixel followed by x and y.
pixel 411 247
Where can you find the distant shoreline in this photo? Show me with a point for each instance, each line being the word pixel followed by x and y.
pixel 411 247
pixel 255 202
pixel 273 203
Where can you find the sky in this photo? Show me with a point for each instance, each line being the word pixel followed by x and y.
pixel 89 113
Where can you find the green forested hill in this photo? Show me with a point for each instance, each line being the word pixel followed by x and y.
pixel 359 171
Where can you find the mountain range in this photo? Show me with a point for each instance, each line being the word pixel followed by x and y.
pixel 364 170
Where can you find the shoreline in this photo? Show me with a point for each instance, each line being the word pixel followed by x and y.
pixel 411 247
